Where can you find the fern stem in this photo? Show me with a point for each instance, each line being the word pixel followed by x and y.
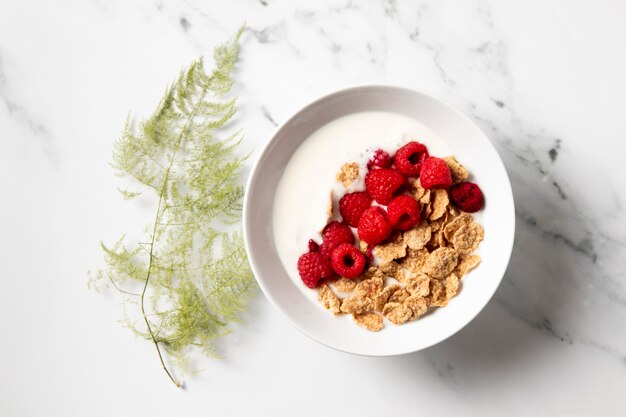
pixel 154 232
pixel 145 287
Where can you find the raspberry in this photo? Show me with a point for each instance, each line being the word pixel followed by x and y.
pixel 382 184
pixel 403 212
pixel 435 174
pixel 380 159
pixel 333 235
pixel 467 196
pixel 347 261
pixel 313 267
pixel 352 206
pixel 313 246
pixel 409 158
pixel 373 226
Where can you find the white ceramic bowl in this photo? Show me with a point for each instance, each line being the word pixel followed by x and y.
pixel 468 143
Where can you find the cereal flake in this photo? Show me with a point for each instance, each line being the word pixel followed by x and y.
pixel 370 321
pixel 356 303
pixel 466 264
pixel 397 313
pixel 437 225
pixel 467 238
pixel 458 171
pixel 373 272
pixel 417 237
pixel 344 285
pixel 418 306
pixel 452 286
pixel 416 189
pixel 370 287
pixel 418 285
pixel 459 221
pixel 415 260
pixel 329 300
pixel 394 249
pixel 437 240
pixel 392 269
pixel 399 296
pixel 383 297
pixel 425 199
pixel 441 262
pixel 348 173
pixel 437 293
pixel 440 201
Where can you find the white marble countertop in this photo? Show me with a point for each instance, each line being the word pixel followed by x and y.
pixel 545 80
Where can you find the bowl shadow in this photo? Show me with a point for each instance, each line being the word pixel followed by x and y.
pixel 525 313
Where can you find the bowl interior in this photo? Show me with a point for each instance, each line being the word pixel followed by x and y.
pixel 468 143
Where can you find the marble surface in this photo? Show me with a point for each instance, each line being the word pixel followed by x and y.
pixel 544 79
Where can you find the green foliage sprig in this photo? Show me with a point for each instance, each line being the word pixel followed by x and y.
pixel 191 277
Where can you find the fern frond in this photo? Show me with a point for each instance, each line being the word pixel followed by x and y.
pixel 193 271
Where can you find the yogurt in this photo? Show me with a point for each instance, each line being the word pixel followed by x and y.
pixel 301 201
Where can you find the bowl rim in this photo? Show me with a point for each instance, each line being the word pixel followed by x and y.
pixel 254 172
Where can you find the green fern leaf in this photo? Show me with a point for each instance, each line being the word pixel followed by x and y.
pixel 191 277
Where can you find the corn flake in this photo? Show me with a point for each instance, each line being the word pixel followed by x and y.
pixel 418 285
pixel 466 264
pixel 344 285
pixel 399 296
pixel 440 201
pixel 329 300
pixel 397 313
pixel 348 173
pixel 394 249
pixel 415 260
pixel 467 238
pixel 356 303
pixel 370 321
pixel 417 237
pixel 441 262
pixel 394 270
pixel 437 294
pixel 459 221
pixel 458 171
pixel 416 189
pixel 452 286
pixel 383 297
pixel 418 306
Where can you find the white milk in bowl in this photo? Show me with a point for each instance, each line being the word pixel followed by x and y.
pixel 301 202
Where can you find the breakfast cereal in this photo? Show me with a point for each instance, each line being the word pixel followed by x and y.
pixel 370 321
pixel 420 246
pixel 348 173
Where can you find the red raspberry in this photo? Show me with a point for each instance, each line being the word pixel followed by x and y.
pixel 373 226
pixel 347 261
pixel 403 212
pixel 313 267
pixel 435 174
pixel 382 184
pixel 352 206
pixel 333 235
pixel 409 158
pixel 467 196
pixel 313 246
pixel 380 159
